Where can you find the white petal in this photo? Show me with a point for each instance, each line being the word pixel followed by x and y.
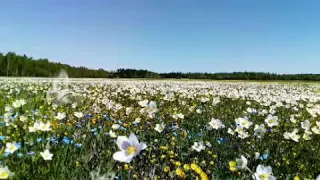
pixel 120 141
pixel 143 145
pixel 122 156
pixel 133 139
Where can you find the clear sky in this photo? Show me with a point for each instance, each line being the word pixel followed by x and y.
pixel 281 36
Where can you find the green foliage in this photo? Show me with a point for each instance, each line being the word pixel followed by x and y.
pixel 12 64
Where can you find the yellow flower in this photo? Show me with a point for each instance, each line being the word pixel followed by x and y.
pixel 178 163
pixel 232 166
pixel 166 169
pixel 186 167
pixel 198 170
pixel 180 172
pixel 194 166
pixel 126 166
pixel 296 178
pixel 203 176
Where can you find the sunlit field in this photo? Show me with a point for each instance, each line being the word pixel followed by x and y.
pixel 101 129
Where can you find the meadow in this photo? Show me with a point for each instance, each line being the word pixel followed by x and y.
pixel 99 129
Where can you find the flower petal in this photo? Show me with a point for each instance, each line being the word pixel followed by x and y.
pixel 133 139
pixel 122 156
pixel 120 141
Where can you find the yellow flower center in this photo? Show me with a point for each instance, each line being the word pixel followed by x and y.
pixel 131 150
pixel 264 176
pixel 4 175
pixel 12 148
pixel 272 120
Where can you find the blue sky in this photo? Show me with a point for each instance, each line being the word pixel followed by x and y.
pixel 167 35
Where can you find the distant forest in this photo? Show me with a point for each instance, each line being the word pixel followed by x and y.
pixel 12 64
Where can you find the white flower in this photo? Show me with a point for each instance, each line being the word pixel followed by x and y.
pixel 286 135
pixel 45 127
pixel 198 111
pixel 128 110
pixel 143 103
pixel 242 163
pixel 112 134
pixel 306 125
pixel 263 173
pixel 5 172
pixel 293 135
pixel 230 131
pixel 22 118
pixel 306 135
pixel 272 121
pixel 244 122
pixel 316 129
pixel 60 116
pixel 130 147
pixel 115 126
pixel 259 130
pixel 216 123
pixel 241 132
pixel 78 114
pixel 159 127
pixel 181 116
pixel 198 146
pixel 46 155
pixel 137 120
pixel 256 155
pixel 11 147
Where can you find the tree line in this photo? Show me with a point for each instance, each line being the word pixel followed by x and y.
pixel 12 64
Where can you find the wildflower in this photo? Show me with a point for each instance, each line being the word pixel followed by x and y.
pixel 230 131
pixel 130 147
pixel 180 172
pixel 259 130
pixel 244 122
pixel 306 125
pixel 316 129
pixel 78 114
pixel 159 127
pixel 60 116
pixel 115 126
pixel 143 103
pixel 166 169
pixel 112 134
pixel 46 155
pixel 216 123
pixel 241 163
pixel 307 135
pixel 198 146
pixel 186 167
pixel 263 173
pixel 272 120
pixel 293 135
pixel 11 147
pixel 232 166
pixel 4 172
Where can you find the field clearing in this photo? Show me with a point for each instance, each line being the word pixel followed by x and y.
pixel 69 128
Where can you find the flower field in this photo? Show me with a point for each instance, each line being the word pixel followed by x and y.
pixel 101 129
